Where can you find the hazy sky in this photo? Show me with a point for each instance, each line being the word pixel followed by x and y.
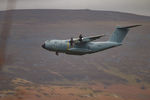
pixel 133 6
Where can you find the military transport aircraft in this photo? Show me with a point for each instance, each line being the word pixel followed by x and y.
pixel 84 45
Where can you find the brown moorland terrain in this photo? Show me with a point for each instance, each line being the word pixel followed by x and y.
pixel 30 72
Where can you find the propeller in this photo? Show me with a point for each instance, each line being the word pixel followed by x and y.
pixel 71 41
pixel 80 37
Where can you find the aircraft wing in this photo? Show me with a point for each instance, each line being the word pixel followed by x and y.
pixel 92 38
pixel 80 50
pixel 87 39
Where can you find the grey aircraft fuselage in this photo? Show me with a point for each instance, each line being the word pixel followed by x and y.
pixel 63 46
pixel 85 45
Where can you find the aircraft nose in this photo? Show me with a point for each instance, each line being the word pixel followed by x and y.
pixel 43 46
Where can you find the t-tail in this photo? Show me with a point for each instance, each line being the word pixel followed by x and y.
pixel 120 33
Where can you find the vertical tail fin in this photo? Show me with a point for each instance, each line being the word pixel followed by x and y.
pixel 120 33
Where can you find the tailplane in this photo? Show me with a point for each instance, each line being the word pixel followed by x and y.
pixel 120 33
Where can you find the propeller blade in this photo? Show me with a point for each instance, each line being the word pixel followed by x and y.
pixel 71 41
pixel 80 37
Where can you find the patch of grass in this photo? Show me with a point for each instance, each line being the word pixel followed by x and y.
pixel 37 95
pixel 46 94
pixel 97 91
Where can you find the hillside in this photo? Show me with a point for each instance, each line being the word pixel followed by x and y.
pixel 128 64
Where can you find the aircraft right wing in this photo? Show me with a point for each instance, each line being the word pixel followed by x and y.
pixel 92 38
pixel 87 39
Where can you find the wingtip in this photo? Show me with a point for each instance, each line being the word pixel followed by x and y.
pixel 136 25
pixel 129 26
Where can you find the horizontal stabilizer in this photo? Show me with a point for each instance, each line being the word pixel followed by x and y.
pixel 126 27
